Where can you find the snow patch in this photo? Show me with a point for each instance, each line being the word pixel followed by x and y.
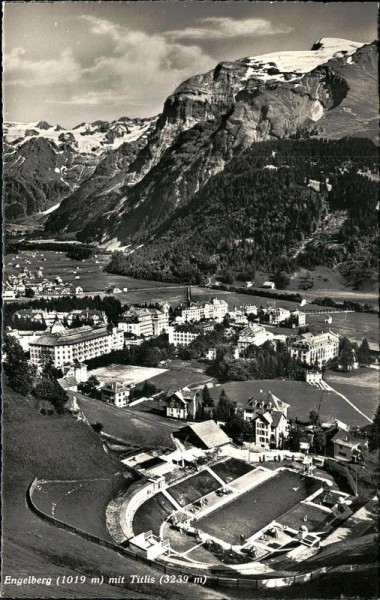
pixel 316 111
pixel 50 210
pixel 292 65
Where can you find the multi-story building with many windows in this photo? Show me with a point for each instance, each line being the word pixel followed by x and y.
pixel 315 348
pixel 146 322
pixel 67 345
pixel 183 335
pixel 196 311
pixel 253 335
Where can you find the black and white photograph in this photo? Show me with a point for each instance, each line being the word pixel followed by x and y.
pixel 190 302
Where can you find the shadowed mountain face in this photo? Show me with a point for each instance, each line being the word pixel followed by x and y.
pixel 43 164
pixel 329 91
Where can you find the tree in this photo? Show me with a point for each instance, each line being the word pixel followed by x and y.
pixel 50 372
pixel 50 390
pixel 19 372
pixel 29 293
pixel 314 417
pixel 319 440
pixel 97 427
pixel 374 441
pixel 225 408
pixel 281 279
pixel 364 353
pixel 237 427
pixel 207 399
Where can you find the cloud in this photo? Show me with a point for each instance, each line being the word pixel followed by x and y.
pixel 216 28
pixel 21 70
pixel 142 65
pixel 93 98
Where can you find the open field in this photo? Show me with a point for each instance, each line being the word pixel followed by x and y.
pixel 364 394
pixel 135 428
pixel 92 278
pixel 302 399
pixel 68 449
pixel 126 373
pixel 174 378
pixel 256 508
pixel 355 326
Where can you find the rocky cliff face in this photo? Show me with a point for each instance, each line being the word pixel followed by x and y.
pixel 329 91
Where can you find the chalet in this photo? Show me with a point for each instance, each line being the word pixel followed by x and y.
pixel 269 420
pixel 206 435
pixel 116 290
pixel 182 404
pixel 116 393
pixel 78 290
pixel 348 447
pixel 269 285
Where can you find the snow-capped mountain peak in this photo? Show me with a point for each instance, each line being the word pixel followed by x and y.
pixel 292 65
pixel 85 138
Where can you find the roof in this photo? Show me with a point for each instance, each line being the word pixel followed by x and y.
pixel 73 336
pixel 116 386
pixel 345 438
pixel 208 434
pixel 67 382
pixel 185 395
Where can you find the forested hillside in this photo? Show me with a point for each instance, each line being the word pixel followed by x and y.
pixel 280 205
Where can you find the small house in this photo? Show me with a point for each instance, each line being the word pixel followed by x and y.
pixel 116 393
pixel 182 404
pixel 348 447
pixel 269 285
pixel 78 290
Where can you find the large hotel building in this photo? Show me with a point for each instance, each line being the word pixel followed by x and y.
pixel 82 343
pixel 315 348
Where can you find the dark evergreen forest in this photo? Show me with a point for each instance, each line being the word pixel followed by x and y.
pixel 279 206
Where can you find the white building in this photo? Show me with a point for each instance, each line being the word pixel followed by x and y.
pixel 269 420
pixel 145 322
pixel 116 393
pixel 315 348
pixel 183 335
pixel 253 335
pixel 278 315
pixel 82 343
pixel 195 311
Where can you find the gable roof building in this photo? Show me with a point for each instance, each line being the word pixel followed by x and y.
pixel 205 435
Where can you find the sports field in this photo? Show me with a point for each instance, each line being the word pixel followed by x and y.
pixel 256 508
pixel 125 373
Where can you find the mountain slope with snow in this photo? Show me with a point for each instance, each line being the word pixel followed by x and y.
pixel 43 163
pixel 328 91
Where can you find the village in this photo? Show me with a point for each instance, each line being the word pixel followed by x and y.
pixel 212 406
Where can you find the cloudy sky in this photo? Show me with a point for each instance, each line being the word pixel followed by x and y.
pixel 68 62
